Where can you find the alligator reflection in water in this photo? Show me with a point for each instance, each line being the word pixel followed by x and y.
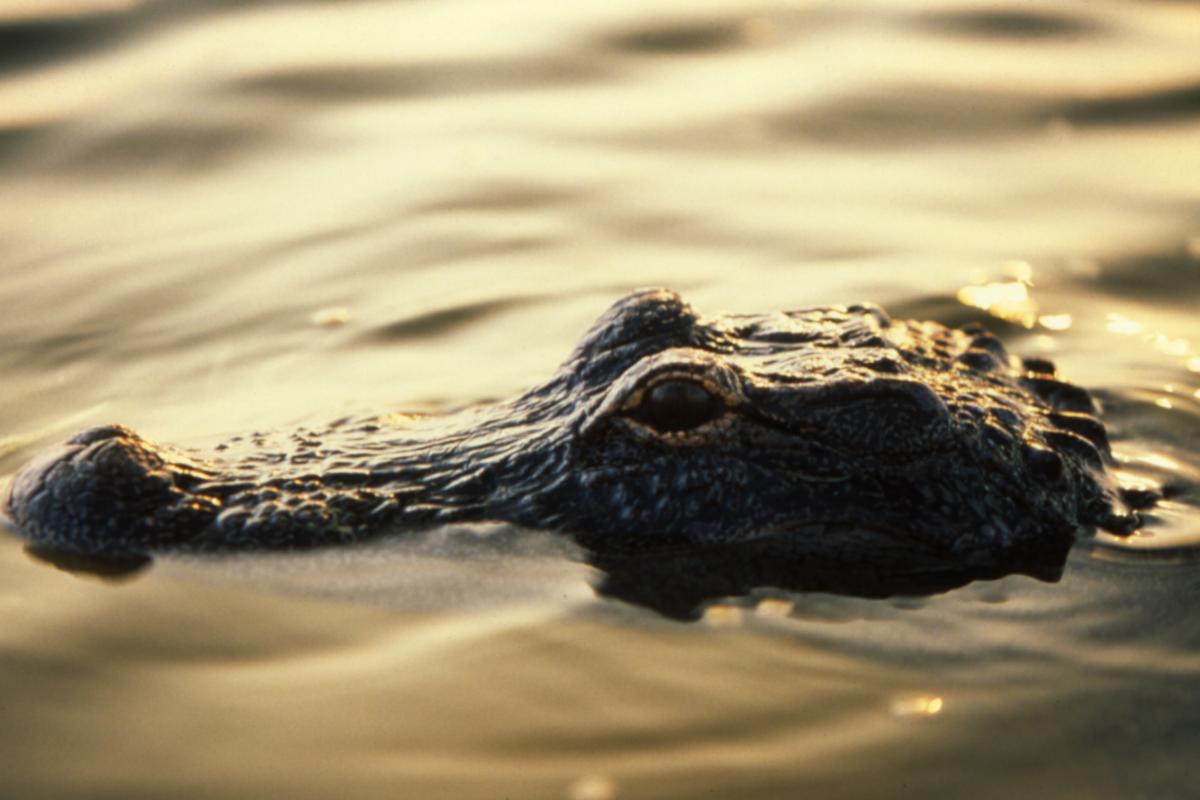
pixel 826 449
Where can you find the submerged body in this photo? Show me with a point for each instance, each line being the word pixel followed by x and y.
pixel 830 435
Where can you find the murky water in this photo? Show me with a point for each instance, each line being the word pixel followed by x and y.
pixel 224 216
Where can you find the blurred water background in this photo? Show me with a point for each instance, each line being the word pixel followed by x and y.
pixel 219 216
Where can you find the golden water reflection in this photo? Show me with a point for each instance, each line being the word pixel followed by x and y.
pixel 222 216
pixel 1009 300
pixel 592 787
pixel 919 706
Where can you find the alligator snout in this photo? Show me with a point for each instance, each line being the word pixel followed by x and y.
pixel 106 481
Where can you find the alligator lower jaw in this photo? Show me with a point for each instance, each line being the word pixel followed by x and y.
pixel 110 566
pixel 883 553
pixel 840 560
pixel 802 540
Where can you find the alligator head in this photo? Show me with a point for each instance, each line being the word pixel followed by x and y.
pixel 750 449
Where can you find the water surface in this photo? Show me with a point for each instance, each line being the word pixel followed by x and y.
pixel 231 216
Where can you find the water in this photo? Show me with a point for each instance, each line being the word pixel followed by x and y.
pixel 229 216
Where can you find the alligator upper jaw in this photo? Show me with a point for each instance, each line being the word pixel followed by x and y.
pixel 106 492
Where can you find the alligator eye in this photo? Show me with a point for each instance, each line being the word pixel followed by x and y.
pixel 676 405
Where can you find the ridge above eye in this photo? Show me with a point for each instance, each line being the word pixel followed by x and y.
pixel 676 404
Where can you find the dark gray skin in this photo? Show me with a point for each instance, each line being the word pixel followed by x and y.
pixel 742 450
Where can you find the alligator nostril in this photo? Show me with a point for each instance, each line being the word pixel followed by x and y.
pixel 100 494
pixel 100 433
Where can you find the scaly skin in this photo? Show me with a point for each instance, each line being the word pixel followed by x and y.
pixel 831 436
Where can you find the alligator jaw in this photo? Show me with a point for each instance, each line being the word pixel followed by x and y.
pixel 109 566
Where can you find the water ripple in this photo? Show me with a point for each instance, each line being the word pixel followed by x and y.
pixel 443 321
pixel 345 83
pixel 29 43
pixel 1169 275
pixel 179 146
pixel 679 37
pixel 907 115
pixel 1009 24
pixel 1149 106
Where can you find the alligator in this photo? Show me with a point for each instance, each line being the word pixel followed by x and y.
pixel 831 448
